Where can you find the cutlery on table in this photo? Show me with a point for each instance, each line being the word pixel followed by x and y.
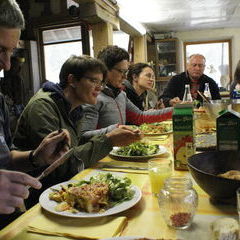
pixel 50 169
pixel 124 167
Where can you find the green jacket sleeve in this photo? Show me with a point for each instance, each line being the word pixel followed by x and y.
pixel 41 116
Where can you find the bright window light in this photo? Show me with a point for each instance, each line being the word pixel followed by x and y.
pixel 138 9
pixel 56 55
pixel 58 45
pixel 121 39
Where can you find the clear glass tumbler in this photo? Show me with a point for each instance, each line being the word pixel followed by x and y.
pixel 158 171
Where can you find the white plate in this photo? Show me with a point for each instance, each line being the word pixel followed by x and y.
pixel 50 205
pixel 163 133
pixel 161 151
pixel 158 134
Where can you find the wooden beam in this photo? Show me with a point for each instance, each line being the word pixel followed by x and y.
pixel 127 28
pixel 102 36
pixel 95 11
pixel 140 49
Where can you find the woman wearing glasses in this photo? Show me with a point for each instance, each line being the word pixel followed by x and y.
pixel 57 106
pixel 113 108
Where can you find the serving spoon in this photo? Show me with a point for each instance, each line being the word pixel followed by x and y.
pixel 203 97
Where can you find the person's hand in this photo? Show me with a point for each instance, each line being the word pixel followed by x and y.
pixel 124 136
pixel 14 189
pixel 159 104
pixel 175 101
pixel 48 151
pixel 130 128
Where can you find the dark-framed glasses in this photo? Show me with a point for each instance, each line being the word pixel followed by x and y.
pixel 96 82
pixel 122 71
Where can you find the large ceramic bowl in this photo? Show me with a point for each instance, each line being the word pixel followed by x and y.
pixel 216 106
pixel 204 168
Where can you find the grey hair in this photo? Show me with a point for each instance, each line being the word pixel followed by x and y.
pixel 195 55
pixel 11 15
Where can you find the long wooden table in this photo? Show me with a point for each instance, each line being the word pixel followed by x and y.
pixel 144 219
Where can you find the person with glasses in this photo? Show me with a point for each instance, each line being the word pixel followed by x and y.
pixel 113 109
pixel 14 183
pixel 57 106
pixel 139 86
pixel 195 77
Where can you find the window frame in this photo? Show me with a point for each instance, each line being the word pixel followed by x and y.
pixel 84 39
pixel 229 41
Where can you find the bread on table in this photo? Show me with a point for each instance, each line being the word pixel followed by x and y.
pixel 225 229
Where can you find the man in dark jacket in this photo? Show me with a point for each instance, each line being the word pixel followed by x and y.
pixel 194 76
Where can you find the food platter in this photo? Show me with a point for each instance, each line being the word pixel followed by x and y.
pixel 205 142
pixel 113 153
pixel 156 129
pixel 50 205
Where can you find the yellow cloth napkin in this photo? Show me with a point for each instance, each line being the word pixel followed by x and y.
pixel 89 228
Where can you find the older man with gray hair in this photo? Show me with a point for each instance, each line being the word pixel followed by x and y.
pixel 13 184
pixel 194 76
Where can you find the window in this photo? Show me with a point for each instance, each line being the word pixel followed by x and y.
pixel 218 59
pixel 121 39
pixel 58 45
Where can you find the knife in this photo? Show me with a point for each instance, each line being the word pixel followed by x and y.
pixel 56 164
pixel 48 170
pixel 124 167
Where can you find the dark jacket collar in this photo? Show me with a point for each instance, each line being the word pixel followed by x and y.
pixel 63 104
pixel 133 91
pixel 111 91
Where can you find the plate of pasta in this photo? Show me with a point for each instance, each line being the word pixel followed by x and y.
pixel 102 195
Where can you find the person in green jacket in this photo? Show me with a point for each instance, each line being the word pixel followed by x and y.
pixel 57 106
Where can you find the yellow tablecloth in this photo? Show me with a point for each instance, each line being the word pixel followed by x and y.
pixel 50 224
pixel 144 219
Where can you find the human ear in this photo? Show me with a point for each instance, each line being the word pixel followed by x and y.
pixel 71 81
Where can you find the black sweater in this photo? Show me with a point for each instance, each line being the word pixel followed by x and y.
pixel 176 87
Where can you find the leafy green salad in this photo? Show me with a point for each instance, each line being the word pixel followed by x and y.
pixel 138 149
pixel 119 187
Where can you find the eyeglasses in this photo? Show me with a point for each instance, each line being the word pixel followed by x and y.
pixel 6 52
pixel 96 82
pixel 122 71
pixel 199 65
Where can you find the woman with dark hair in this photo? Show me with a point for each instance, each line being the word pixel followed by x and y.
pixel 57 106
pixel 236 81
pixel 140 78
pixel 113 108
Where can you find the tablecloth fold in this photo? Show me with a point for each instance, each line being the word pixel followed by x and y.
pixel 76 228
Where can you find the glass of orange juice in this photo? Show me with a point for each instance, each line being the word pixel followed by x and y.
pixel 158 171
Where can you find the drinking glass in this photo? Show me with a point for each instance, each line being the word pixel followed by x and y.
pixel 158 171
